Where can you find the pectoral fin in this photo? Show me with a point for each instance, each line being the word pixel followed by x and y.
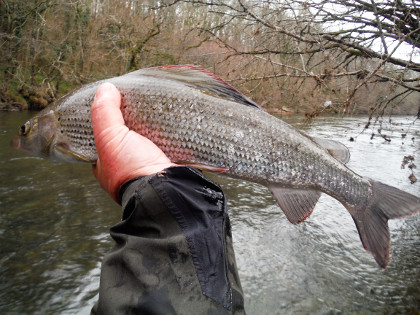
pixel 296 204
pixel 70 155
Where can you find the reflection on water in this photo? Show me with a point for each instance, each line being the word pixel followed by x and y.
pixel 55 220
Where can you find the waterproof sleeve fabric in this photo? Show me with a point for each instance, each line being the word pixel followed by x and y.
pixel 173 252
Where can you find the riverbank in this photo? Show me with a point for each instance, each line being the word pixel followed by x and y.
pixel 18 96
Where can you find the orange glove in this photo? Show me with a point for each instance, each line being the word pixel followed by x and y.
pixel 122 154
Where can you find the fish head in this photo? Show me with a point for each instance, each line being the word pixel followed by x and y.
pixel 37 135
pixel 41 136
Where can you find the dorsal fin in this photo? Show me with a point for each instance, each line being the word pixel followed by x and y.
pixel 337 150
pixel 200 79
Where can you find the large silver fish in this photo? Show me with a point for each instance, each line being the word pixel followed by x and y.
pixel 196 118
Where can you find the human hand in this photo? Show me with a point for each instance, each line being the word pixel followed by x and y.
pixel 122 153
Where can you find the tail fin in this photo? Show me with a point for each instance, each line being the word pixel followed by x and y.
pixel 371 220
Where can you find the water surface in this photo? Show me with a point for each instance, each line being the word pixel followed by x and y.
pixel 55 220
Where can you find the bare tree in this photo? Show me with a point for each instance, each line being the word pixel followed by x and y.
pixel 333 49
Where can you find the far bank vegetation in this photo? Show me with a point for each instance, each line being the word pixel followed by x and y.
pixel 311 57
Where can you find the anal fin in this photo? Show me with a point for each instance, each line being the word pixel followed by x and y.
pixel 297 204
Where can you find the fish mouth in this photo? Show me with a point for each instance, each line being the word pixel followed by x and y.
pixel 16 143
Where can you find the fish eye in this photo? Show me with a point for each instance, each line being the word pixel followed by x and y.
pixel 25 128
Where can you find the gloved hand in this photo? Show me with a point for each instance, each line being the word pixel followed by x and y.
pixel 122 154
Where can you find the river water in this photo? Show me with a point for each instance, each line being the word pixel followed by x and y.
pixel 54 222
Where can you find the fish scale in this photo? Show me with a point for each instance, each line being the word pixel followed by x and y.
pixel 161 129
pixel 198 119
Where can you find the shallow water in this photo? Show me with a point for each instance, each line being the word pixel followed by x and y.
pixel 55 221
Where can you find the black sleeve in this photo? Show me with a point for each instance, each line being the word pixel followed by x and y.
pixel 173 252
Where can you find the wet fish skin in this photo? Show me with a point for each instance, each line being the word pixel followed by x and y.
pixel 198 119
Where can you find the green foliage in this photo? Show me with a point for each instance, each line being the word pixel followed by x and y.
pixel 65 87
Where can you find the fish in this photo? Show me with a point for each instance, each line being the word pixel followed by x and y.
pixel 198 119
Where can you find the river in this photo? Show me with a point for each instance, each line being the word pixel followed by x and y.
pixel 55 220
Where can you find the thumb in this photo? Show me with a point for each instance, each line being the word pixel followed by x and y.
pixel 105 109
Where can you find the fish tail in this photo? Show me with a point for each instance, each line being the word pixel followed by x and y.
pixel 371 217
